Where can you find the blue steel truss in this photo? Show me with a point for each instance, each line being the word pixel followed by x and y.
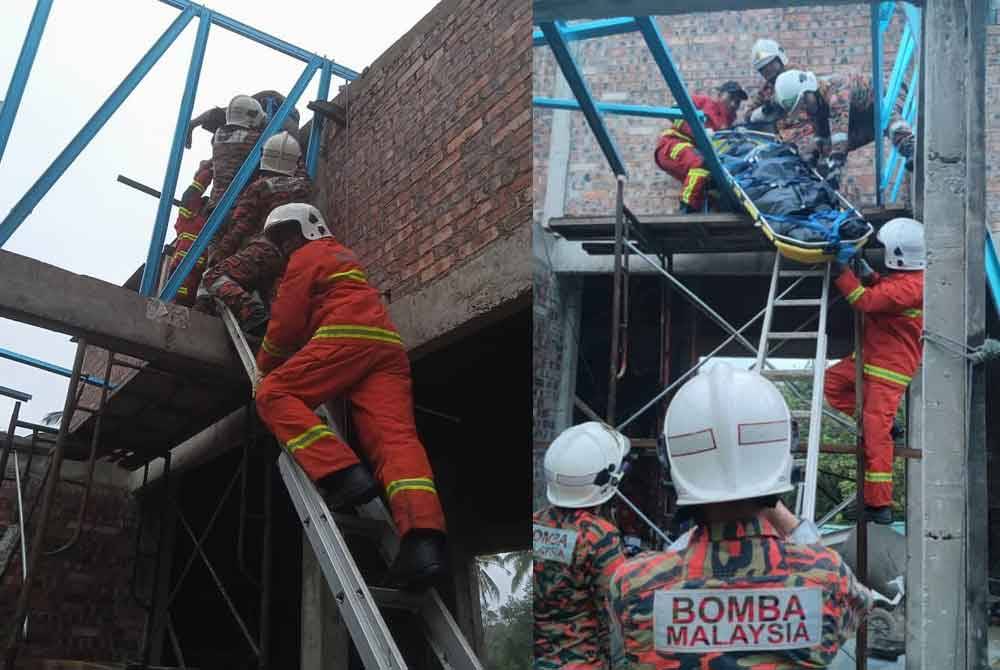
pixel 558 36
pixel 206 19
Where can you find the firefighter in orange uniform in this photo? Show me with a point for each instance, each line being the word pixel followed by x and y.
pixel 329 336
pixel 676 153
pixel 893 324
pixel 190 221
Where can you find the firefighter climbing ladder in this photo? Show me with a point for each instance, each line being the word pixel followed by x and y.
pixel 806 498
pixel 357 601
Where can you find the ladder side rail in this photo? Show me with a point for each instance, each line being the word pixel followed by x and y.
pixel 816 408
pixel 768 314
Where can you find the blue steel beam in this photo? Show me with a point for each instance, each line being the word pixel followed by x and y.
pixel 613 108
pixel 240 180
pixel 38 190
pixel 267 40
pixel 151 273
pixel 316 131
pixel 876 32
pixel 560 49
pixel 51 367
pixel 910 114
pixel 661 55
pixel 899 68
pixel 591 29
pixel 22 70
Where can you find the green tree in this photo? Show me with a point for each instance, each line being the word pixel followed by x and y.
pixel 515 564
pixel 508 633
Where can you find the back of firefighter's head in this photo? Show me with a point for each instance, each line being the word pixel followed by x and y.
pixel 904 244
pixel 727 438
pixel 732 95
pixel 245 112
pixel 583 465
pixel 295 224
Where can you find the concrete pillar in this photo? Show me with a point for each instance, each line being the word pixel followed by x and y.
pixel 952 540
pixel 325 639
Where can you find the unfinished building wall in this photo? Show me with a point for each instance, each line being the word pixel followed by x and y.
pixel 430 181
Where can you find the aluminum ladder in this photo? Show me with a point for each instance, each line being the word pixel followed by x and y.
pixel 358 602
pixel 805 503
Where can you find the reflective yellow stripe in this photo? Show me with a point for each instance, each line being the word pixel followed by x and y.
pixel 695 175
pixel 419 484
pixel 913 313
pixel 270 348
pixel 309 437
pixel 196 185
pixel 185 212
pixel 182 290
pixel 181 252
pixel 359 333
pixel 188 236
pixel 356 275
pixel 878 477
pixel 677 149
pixel 854 295
pixel 887 375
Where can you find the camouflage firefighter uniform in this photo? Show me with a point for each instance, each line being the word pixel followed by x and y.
pixel 845 120
pixel 771 111
pixel 746 559
pixel 242 261
pixel 571 627
pixel 230 147
pixel 190 220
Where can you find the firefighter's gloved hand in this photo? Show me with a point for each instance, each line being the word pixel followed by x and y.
pixel 865 271
pixel 846 253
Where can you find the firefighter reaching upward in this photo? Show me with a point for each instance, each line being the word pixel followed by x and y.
pixel 330 336
pixel 575 549
pixel 751 586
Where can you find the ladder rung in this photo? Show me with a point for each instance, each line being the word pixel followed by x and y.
pixel 780 375
pixel 794 335
pixel 802 273
pixel 397 599
pixel 799 302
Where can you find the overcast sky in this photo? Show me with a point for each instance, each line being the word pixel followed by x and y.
pixel 90 224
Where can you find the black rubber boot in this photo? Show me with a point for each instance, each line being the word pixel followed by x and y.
pixel 346 489
pixel 879 515
pixel 422 560
pixel 898 433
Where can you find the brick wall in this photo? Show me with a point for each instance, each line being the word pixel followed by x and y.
pixel 434 165
pixel 80 604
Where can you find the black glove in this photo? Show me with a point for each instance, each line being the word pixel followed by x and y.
pixel 211 121
pixel 865 271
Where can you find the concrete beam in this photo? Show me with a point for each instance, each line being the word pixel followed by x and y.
pixel 555 10
pixel 112 317
pixel 953 587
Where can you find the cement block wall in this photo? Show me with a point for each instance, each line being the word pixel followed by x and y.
pixel 434 168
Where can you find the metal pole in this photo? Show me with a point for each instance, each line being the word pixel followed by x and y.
pixel 316 131
pixel 9 442
pixel 23 529
pixel 22 70
pixel 23 599
pixel 616 296
pixel 48 367
pixel 240 180
pixel 38 190
pixel 150 274
pixel 154 596
pixel 861 643
pixel 265 568
pixel 876 31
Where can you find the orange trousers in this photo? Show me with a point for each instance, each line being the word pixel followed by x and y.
pixel 683 162
pixel 187 233
pixel 881 400
pixel 375 378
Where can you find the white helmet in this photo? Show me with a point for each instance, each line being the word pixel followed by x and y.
pixel 311 223
pixel 765 51
pixel 281 154
pixel 245 112
pixel 728 437
pixel 584 465
pixel 904 244
pixel 791 85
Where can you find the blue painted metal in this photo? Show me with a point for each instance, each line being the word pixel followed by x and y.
pixel 664 60
pixel 240 180
pixel 876 31
pixel 899 68
pixel 993 273
pixel 51 367
pixel 267 40
pixel 38 190
pixel 643 111
pixel 316 131
pixel 560 49
pixel 151 272
pixel 910 114
pixel 591 29
pixel 22 70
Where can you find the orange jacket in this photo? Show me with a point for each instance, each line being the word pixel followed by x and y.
pixel 717 117
pixel 188 224
pixel 323 295
pixel 893 322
